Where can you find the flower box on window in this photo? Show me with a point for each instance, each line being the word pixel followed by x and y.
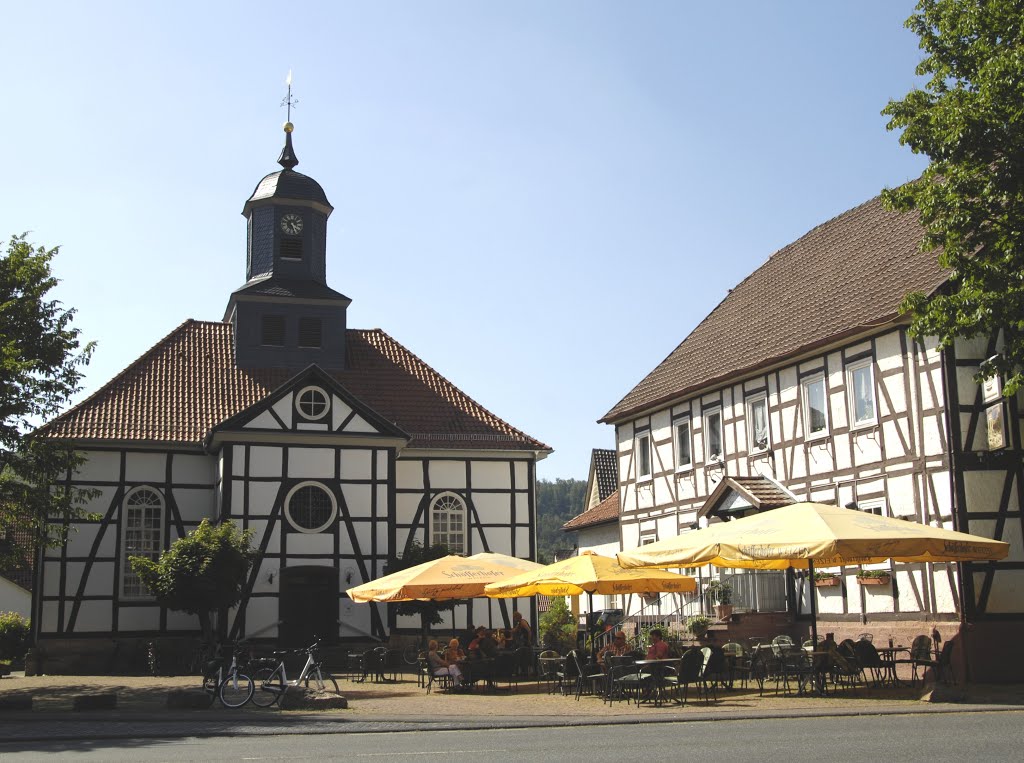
pixel 878 577
pixel 826 581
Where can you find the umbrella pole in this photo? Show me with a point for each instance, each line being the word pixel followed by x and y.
pixel 590 619
pixel 814 603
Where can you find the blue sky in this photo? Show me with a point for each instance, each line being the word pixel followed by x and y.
pixel 540 199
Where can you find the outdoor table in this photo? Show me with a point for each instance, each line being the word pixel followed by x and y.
pixel 652 675
pixel 889 653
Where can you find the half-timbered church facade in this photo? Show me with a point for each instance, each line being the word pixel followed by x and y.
pixel 337 446
pixel 804 384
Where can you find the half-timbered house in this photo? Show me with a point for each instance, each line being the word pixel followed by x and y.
pixel 337 446
pixel 804 384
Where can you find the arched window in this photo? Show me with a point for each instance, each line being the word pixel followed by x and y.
pixel 142 523
pixel 448 522
pixel 310 507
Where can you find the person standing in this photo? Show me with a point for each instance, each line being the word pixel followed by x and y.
pixel 521 633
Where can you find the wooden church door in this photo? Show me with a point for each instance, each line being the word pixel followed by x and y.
pixel 308 606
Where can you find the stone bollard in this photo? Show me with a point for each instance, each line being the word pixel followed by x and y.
pixel 188 699
pixel 300 698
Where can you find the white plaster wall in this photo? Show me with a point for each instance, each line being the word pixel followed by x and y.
pixel 194 469
pixel 357 498
pixel 311 463
pixel 100 465
pixel 195 503
pixel 94 616
pixel 312 543
pixel 409 474
pixel 1005 593
pixel 264 461
pixel 138 619
pixel 492 474
pixel 493 508
pixel 447 475
pixel 356 465
pixel 262 496
pixel 14 598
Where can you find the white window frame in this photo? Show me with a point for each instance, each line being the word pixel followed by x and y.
pixel 752 445
pixel 851 393
pixel 805 386
pixel 288 508
pixel 642 447
pixel 710 414
pixel 647 537
pixel 677 425
pixel 450 506
pixel 305 414
pixel 156 542
pixel 876 506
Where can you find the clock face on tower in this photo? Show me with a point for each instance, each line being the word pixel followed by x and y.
pixel 291 224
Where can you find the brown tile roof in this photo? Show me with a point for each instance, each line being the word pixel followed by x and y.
pixel 605 464
pixel 843 277
pixel 188 383
pixel 606 511
pixel 759 492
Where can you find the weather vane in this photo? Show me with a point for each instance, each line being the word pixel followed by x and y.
pixel 288 100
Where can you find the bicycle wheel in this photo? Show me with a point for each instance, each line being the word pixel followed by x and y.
pixel 236 690
pixel 269 686
pixel 321 680
pixel 411 655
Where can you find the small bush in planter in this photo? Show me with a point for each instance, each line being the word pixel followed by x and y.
pixel 719 592
pixel 874 574
pixel 698 625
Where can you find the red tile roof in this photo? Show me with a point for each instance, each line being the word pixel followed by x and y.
pixel 606 511
pixel 188 383
pixel 842 278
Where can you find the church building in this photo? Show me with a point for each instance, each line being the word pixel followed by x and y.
pixel 337 446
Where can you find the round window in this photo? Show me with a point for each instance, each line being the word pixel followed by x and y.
pixel 312 403
pixel 310 507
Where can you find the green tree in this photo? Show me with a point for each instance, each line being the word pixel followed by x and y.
pixel 558 626
pixel 201 572
pixel 557 503
pixel 429 611
pixel 41 364
pixel 967 118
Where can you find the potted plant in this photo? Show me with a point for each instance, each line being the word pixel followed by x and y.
pixel 823 579
pixel 698 625
pixel 874 577
pixel 719 592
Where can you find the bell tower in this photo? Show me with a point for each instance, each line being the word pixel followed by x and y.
pixel 285 315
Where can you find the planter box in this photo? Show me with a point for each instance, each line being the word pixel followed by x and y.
pixel 825 582
pixel 875 581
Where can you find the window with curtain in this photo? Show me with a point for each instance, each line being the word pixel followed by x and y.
pixel 713 434
pixel 815 412
pixel 860 381
pixel 757 423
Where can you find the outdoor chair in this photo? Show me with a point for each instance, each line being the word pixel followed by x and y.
pixel 941 664
pixel 623 678
pixel 503 670
pixel 869 659
pixel 844 669
pixel 691 668
pixel 523 658
pixel 551 670
pixel 920 655
pixel 797 670
pixel 587 675
pixel 737 662
pixel 866 637
pixel 714 669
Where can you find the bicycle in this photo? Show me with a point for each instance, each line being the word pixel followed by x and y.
pixel 232 686
pixel 272 681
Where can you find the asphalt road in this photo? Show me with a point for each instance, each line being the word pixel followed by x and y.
pixel 990 736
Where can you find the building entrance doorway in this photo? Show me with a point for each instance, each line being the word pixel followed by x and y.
pixel 308 606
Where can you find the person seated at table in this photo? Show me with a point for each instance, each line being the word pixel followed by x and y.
pixel 616 648
pixel 439 666
pixel 521 633
pixel 658 650
pixel 467 637
pixel 454 652
pixel 487 646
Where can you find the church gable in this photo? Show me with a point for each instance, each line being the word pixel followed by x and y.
pixel 312 401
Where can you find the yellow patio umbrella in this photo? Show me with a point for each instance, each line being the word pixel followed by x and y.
pixel 589 573
pixel 447 578
pixel 803 535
